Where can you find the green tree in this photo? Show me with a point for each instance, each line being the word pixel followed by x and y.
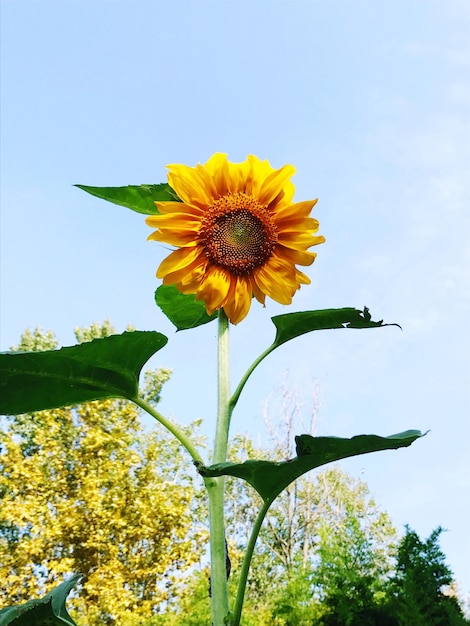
pixel 86 489
pixel 349 576
pixel 423 582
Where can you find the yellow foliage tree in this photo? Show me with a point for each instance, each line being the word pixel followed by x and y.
pixel 86 489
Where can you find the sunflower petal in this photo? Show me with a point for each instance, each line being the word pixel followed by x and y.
pixel 302 224
pixel 274 184
pixel 183 257
pixel 189 276
pixel 276 279
pixel 238 300
pixel 214 288
pixel 175 238
pixel 297 210
pixel 190 185
pixel 179 221
pixel 295 256
pixel 217 167
pixel 170 208
pixel 259 295
pixel 299 239
pixel 302 278
pixel 284 198
pixel 257 173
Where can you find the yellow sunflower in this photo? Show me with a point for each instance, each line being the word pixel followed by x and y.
pixel 237 234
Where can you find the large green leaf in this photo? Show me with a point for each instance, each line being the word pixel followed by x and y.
pixel 140 198
pixel 102 368
pixel 293 325
pixel 269 478
pixel 184 311
pixel 48 611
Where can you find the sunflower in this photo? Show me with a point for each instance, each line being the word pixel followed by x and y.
pixel 237 234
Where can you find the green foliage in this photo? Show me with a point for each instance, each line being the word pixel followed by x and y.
pixel 184 311
pixel 348 572
pixel 49 611
pixel 139 198
pixel 85 489
pixel 269 478
pixel 422 583
pixel 108 367
pixel 293 603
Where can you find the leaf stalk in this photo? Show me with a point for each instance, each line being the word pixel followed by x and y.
pixel 172 427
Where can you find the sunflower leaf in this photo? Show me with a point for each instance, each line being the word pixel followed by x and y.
pixel 140 198
pixel 291 325
pixel 269 478
pixel 103 368
pixel 49 610
pixel 184 311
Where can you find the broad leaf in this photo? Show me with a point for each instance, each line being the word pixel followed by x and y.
pixel 184 311
pixel 140 198
pixel 47 611
pixel 269 478
pixel 293 325
pixel 102 368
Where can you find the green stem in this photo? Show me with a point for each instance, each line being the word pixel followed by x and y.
pixel 246 376
pixel 173 428
pixel 215 486
pixel 223 408
pixel 237 609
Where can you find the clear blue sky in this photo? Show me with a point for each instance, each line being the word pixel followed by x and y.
pixel 369 100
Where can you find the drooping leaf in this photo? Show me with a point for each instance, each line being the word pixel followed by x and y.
pixel 291 325
pixel 48 611
pixel 99 369
pixel 184 311
pixel 140 198
pixel 269 478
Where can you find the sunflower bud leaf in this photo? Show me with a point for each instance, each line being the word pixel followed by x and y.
pixel 139 198
pixel 269 478
pixel 103 368
pixel 184 311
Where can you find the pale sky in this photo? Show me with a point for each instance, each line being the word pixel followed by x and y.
pixel 369 100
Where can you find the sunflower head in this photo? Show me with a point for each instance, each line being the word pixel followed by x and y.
pixel 237 234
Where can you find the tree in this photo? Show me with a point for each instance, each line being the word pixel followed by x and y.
pixel 350 576
pixel 86 489
pixel 422 583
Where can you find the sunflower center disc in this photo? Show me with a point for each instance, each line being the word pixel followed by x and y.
pixel 238 233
